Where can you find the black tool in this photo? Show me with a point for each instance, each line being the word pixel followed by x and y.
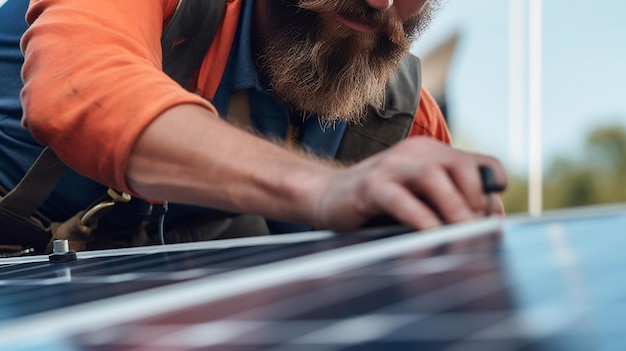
pixel 490 185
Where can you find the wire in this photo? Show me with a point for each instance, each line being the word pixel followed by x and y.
pixel 161 225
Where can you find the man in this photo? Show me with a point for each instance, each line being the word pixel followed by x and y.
pixel 293 70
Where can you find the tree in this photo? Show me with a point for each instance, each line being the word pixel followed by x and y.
pixel 599 176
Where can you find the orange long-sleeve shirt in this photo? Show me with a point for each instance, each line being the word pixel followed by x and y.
pixel 94 82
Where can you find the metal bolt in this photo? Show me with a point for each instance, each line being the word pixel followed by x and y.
pixel 61 252
pixel 60 246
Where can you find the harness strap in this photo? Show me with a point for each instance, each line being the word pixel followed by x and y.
pixel 35 187
pixel 188 36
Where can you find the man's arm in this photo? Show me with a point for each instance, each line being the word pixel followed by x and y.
pixel 94 81
pixel 189 155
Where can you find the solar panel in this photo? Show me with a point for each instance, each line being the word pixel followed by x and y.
pixel 549 283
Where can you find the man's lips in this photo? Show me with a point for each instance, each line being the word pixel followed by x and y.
pixel 357 25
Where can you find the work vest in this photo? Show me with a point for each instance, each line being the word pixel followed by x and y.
pixel 385 127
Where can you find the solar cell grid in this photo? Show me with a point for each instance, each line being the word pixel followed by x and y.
pixel 386 304
pixel 548 284
pixel 92 279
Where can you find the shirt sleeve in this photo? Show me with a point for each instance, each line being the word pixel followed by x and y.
pixel 429 120
pixel 94 81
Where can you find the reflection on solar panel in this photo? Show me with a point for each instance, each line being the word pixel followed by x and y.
pixel 551 283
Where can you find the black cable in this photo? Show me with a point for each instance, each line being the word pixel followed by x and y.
pixel 161 225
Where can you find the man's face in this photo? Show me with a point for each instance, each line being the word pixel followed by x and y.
pixel 334 57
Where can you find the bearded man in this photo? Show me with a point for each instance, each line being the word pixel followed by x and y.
pixel 342 52
pixel 281 87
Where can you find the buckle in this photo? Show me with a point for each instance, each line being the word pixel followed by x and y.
pixel 103 206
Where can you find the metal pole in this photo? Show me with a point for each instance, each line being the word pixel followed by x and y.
pixel 516 125
pixel 535 181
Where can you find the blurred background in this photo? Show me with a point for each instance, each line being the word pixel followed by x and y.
pixel 542 86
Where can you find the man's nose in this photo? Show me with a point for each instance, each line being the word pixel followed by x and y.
pixel 380 4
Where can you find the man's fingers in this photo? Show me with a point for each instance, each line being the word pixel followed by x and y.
pixel 406 208
pixel 436 187
pixel 468 182
pixel 476 177
pixel 495 205
pixel 421 183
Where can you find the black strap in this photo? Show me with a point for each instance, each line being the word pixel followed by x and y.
pixel 185 41
pixel 188 36
pixel 36 185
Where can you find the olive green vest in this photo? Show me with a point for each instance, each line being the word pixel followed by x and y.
pixel 385 127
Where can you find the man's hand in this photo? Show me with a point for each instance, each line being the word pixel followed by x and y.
pixel 420 182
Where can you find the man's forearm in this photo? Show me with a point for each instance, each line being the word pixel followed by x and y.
pixel 189 155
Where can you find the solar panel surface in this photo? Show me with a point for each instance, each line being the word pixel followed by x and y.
pixel 547 284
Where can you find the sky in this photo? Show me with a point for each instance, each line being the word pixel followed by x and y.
pixel 583 74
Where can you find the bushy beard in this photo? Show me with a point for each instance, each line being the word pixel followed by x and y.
pixel 321 67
